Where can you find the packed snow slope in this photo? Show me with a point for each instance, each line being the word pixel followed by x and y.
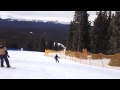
pixel 35 65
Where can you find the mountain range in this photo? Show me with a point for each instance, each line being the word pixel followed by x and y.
pixel 55 30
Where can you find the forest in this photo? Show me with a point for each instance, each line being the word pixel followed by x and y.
pixel 33 35
pixel 99 36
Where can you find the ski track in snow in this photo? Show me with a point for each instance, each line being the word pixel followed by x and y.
pixel 34 65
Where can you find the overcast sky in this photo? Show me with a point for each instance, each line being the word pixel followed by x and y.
pixel 64 16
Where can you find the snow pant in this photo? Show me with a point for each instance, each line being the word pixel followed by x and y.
pixel 57 60
pixel 4 57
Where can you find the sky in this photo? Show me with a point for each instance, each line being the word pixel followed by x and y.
pixel 35 65
pixel 62 16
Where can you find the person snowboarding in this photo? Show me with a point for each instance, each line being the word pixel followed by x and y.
pixel 56 58
pixel 4 55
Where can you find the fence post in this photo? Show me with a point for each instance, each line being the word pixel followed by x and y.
pixel 102 59
pixel 80 56
pixel 102 63
pixel 90 61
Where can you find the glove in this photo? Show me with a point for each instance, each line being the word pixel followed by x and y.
pixel 8 56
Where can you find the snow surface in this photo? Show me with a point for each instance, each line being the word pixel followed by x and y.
pixel 35 65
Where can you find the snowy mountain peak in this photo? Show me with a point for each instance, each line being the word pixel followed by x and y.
pixel 33 20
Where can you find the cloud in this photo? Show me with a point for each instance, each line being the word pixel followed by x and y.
pixel 65 16
pixel 46 15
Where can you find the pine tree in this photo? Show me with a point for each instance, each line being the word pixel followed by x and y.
pixel 50 44
pixel 77 19
pixel 104 32
pixel 96 34
pixel 60 47
pixel 35 45
pixel 70 36
pixel 56 46
pixel 115 36
pixel 109 31
pixel 83 32
pixel 39 44
pixel 99 33
pixel 75 40
pixel 42 44
pixel 78 37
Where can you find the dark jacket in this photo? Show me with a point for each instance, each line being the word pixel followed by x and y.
pixel 56 57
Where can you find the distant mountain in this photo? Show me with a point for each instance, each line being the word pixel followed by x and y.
pixel 22 19
pixel 22 23
pixel 55 30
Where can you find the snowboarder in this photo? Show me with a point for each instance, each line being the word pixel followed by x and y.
pixel 56 58
pixel 4 55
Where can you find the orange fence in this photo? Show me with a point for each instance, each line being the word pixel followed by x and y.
pixel 85 55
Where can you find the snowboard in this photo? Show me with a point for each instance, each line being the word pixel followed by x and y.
pixel 9 67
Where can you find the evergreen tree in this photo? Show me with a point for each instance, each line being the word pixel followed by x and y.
pixel 70 36
pixel 115 36
pixel 42 44
pixel 104 32
pixel 35 45
pixel 98 33
pixel 81 37
pixel 95 34
pixel 83 32
pixel 39 44
pixel 60 47
pixel 78 37
pixel 75 40
pixel 77 20
pixel 56 47
pixel 50 44
pixel 109 31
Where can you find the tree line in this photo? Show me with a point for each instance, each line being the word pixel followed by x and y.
pixel 32 44
pixel 100 36
pixel 17 34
